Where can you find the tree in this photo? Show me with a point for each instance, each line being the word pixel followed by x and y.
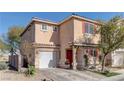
pixel 12 39
pixel 3 46
pixel 87 39
pixel 112 37
pixel 26 50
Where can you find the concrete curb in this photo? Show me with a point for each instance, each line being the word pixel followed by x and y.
pixel 114 78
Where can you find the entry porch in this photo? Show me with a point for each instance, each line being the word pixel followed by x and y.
pixel 83 55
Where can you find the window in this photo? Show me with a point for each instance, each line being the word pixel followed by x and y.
pixel 44 27
pixel 55 28
pixel 89 28
pixel 92 52
pixel 95 53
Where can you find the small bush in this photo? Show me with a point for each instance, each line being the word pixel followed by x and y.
pixel 3 66
pixel 30 70
pixel 109 74
pixel 86 60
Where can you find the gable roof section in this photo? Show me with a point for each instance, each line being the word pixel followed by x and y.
pixel 43 21
pixel 35 19
pixel 79 17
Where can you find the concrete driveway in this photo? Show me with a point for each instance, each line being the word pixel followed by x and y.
pixel 51 74
pixel 70 75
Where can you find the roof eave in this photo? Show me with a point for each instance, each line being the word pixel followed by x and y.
pixel 26 28
pixel 43 21
pixel 74 16
pixel 37 20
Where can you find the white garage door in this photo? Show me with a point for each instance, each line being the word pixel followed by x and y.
pixel 47 60
pixel 118 59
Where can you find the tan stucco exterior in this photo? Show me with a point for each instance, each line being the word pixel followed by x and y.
pixel 71 31
pixel 66 36
pixel 79 30
pixel 29 34
pixel 49 37
pixel 59 41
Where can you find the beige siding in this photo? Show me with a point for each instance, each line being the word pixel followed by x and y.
pixel 79 29
pixel 69 31
pixel 29 34
pixel 66 36
pixel 49 37
pixel 79 32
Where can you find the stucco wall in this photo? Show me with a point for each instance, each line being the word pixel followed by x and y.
pixel 35 35
pixel 49 37
pixel 66 36
pixel 79 31
pixel 70 31
pixel 29 34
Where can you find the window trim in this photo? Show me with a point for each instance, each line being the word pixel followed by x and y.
pixel 88 28
pixel 44 30
pixel 56 29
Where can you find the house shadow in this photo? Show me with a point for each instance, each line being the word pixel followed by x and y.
pixel 51 64
pixel 55 38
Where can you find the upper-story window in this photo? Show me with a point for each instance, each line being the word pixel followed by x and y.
pixel 55 28
pixel 89 28
pixel 44 27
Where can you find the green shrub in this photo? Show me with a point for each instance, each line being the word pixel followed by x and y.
pixel 30 70
pixel 108 73
pixel 3 66
pixel 86 60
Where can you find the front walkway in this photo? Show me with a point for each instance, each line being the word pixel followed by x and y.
pixel 52 74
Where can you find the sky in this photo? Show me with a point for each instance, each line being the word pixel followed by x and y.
pixel 9 19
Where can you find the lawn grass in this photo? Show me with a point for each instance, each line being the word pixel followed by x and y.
pixel 109 74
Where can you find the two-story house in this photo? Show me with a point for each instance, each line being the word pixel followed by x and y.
pixel 64 42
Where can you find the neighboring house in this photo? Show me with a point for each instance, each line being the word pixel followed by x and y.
pixel 118 58
pixel 4 57
pixel 65 41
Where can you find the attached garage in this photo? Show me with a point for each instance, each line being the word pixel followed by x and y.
pixel 118 58
pixel 48 59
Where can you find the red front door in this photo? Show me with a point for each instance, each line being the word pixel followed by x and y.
pixel 69 56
